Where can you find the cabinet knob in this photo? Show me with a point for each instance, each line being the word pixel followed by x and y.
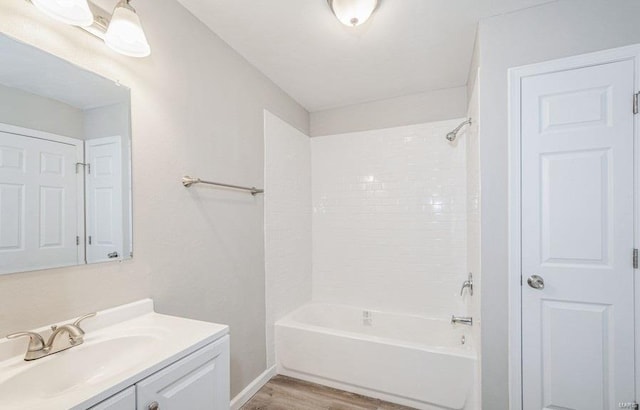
pixel 153 406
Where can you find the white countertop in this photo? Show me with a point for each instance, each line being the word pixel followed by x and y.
pixel 122 346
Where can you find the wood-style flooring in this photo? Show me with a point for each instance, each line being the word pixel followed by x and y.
pixel 286 393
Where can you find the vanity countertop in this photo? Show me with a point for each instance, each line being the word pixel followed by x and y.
pixel 122 346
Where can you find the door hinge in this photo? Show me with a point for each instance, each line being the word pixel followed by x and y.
pixel 636 103
pixel 89 239
pixel 635 259
pixel 77 241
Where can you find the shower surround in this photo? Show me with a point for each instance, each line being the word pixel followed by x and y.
pixel 389 219
pixel 370 255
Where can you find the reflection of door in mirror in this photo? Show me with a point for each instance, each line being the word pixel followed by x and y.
pixel 59 119
pixel 41 207
pixel 104 199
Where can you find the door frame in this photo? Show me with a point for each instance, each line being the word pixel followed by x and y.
pixel 515 77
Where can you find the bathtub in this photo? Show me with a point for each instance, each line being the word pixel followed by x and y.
pixel 409 360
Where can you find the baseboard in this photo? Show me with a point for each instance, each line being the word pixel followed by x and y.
pixel 253 387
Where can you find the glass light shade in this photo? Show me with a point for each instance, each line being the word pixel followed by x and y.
pixel 353 12
pixel 74 12
pixel 125 34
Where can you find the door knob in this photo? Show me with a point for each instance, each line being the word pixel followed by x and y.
pixel 154 406
pixel 536 282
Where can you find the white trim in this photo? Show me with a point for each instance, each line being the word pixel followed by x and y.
pixel 514 285
pixel 245 395
pixel 28 132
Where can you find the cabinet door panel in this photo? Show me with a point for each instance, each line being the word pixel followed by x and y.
pixel 199 381
pixel 125 400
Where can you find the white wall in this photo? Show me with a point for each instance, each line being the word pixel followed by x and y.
pixel 197 108
pixel 393 112
pixel 35 112
pixel 287 219
pixel 389 219
pixel 554 30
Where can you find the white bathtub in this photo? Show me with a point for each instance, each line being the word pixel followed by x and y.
pixel 409 360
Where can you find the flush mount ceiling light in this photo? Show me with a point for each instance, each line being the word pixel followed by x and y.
pixel 74 12
pixel 353 12
pixel 121 30
pixel 125 34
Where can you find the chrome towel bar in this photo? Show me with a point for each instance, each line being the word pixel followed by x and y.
pixel 187 181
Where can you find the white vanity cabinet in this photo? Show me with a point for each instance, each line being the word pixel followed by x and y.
pixel 199 381
pixel 125 400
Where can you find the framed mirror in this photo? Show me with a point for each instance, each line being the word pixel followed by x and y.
pixel 65 163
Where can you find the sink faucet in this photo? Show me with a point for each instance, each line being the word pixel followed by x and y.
pixel 468 284
pixel 38 349
pixel 463 320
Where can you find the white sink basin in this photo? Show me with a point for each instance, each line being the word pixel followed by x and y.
pixel 117 352
pixel 89 363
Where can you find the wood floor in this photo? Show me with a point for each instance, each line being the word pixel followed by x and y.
pixel 285 393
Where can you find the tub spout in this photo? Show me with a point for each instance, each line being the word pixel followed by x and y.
pixel 463 320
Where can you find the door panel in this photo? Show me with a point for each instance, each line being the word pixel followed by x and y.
pixel 104 199
pixel 199 381
pixel 575 217
pixel 40 206
pixel 125 400
pixel 577 234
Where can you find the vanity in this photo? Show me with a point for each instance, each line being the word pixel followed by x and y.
pixel 130 358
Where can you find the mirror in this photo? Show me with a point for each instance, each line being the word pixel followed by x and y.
pixel 65 163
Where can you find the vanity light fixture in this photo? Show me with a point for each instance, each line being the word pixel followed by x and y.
pixel 73 12
pixel 121 31
pixel 353 12
pixel 125 34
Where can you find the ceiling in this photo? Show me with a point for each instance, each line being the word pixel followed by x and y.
pixel 407 47
pixel 38 72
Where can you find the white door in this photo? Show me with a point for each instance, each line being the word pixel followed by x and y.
pixel 40 203
pixel 104 199
pixel 578 236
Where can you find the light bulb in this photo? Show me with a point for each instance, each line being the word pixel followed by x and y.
pixel 353 12
pixel 125 34
pixel 74 12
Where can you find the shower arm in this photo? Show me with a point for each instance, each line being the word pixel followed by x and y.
pixel 459 127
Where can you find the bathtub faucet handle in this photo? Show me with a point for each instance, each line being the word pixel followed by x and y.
pixel 468 284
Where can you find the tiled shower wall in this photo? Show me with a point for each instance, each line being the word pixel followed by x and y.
pixel 287 216
pixel 472 140
pixel 389 219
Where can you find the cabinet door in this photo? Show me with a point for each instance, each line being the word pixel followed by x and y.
pixel 200 381
pixel 125 400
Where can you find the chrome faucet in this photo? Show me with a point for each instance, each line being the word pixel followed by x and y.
pixel 467 284
pixel 38 349
pixel 463 320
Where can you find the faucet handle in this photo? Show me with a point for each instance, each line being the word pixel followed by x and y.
pixel 36 342
pixel 81 318
pixel 467 284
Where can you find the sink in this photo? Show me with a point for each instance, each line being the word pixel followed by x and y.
pixel 91 363
pixel 122 346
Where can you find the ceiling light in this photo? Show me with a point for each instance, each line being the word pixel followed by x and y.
pixel 74 12
pixel 125 34
pixel 353 12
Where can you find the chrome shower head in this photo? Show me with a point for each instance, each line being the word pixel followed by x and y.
pixel 454 134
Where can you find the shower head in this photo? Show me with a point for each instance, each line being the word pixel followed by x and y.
pixel 454 134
